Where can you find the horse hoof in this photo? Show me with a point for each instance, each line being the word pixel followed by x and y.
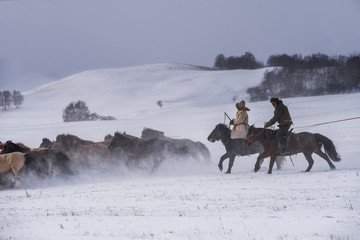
pixel 227 172
pixel 269 172
pixel 256 169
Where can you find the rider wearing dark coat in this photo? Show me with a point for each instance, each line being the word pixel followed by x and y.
pixel 282 116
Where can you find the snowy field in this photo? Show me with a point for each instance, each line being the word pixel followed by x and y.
pixel 182 200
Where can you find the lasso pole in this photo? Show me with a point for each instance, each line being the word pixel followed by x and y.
pixel 318 124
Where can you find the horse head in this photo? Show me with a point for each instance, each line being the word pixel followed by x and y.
pixel 219 131
pixel 10 147
pixel 123 140
pixel 149 133
pixel 46 143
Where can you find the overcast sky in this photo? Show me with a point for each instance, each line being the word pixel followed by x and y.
pixel 44 40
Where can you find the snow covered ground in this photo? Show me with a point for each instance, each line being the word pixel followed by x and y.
pixel 182 200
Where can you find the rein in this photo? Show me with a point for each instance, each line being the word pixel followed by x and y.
pixel 268 138
pixel 251 140
pixel 227 140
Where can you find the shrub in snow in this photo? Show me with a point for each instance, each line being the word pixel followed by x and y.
pixel 78 111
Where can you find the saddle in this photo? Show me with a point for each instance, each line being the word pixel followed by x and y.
pixel 288 137
pixel 287 141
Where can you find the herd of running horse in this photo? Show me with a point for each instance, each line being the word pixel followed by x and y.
pixel 70 155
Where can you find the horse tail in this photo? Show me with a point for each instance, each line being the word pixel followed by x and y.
pixel 329 147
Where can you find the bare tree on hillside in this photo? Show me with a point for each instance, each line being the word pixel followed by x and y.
pixel 17 98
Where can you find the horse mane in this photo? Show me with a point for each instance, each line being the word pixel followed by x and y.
pixel 82 141
pixel 22 145
pixel 126 136
pixel 62 137
pixel 223 126
pixel 10 146
pixel 267 129
pixel 46 143
pixel 149 133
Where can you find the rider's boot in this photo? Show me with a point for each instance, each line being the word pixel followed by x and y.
pixel 283 147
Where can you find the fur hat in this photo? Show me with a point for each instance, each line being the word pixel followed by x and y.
pixel 241 106
pixel 276 100
pixel 273 99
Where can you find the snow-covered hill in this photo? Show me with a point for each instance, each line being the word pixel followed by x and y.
pixel 183 201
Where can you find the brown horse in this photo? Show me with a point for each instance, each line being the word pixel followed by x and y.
pixel 304 142
pixel 12 162
pixel 83 153
pixel 184 148
pixel 137 152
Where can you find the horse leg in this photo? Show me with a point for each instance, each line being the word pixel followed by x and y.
pixel 310 161
pixel 14 174
pixel 271 165
pixel 231 163
pixel 16 165
pixel 324 156
pixel 157 161
pixel 279 160
pixel 223 157
pixel 260 160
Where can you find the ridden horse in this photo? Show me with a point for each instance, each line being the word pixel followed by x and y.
pixel 83 153
pixel 303 142
pixel 12 162
pixel 185 148
pixel 234 147
pixel 41 161
pixel 135 150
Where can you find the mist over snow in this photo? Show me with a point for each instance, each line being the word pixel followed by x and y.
pixel 183 200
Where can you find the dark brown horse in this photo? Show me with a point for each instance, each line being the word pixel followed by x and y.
pixel 83 153
pixel 184 148
pixel 46 143
pixel 304 142
pixel 140 153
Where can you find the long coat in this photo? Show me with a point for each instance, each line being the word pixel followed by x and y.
pixel 240 128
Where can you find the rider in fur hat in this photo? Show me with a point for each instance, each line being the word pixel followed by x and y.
pixel 240 122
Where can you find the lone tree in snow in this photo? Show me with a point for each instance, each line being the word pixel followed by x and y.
pixel 76 111
pixel 160 103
